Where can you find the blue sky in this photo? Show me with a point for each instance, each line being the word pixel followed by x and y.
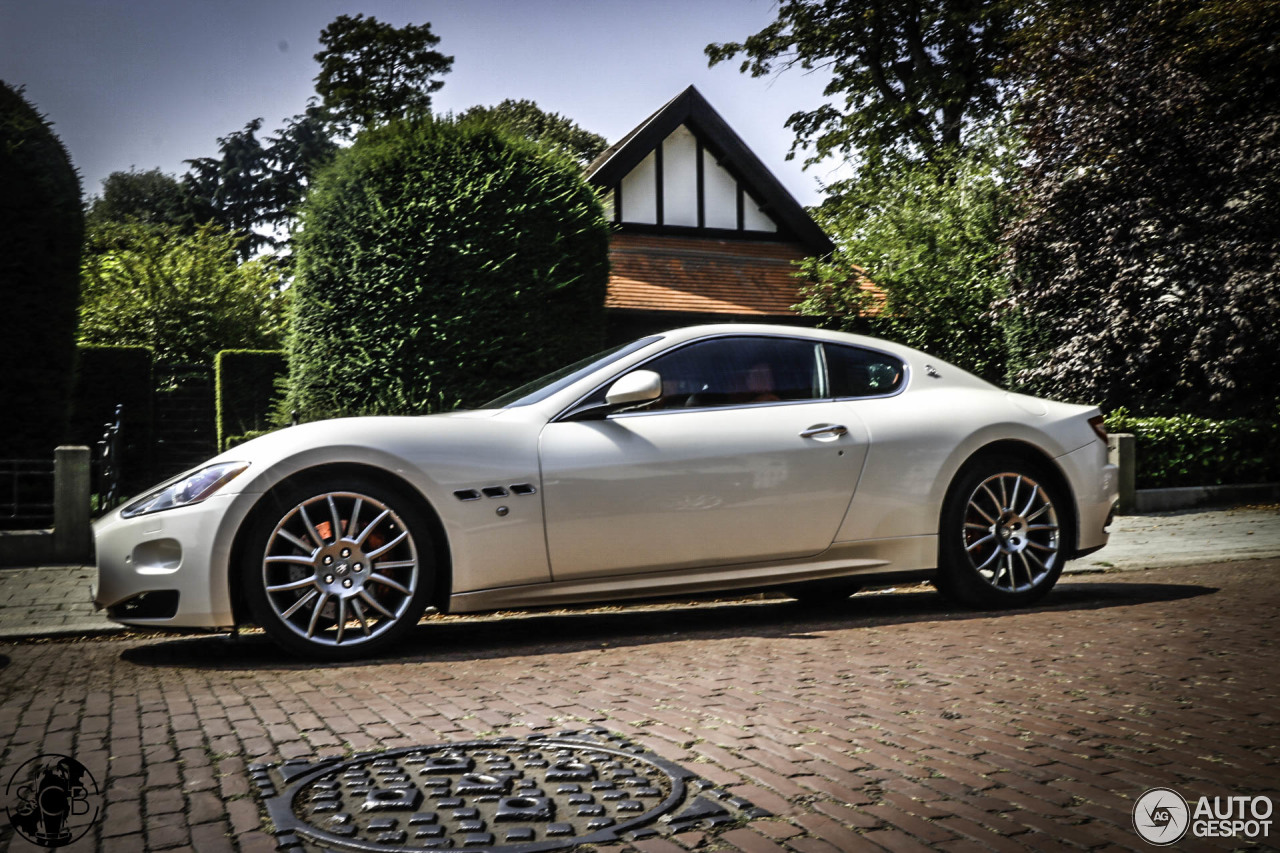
pixel 149 83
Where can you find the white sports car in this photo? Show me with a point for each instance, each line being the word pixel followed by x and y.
pixel 705 459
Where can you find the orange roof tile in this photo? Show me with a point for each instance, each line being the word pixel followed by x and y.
pixel 698 275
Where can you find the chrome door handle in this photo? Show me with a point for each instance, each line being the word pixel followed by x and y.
pixel 832 430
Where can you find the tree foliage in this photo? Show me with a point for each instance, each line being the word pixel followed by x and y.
pixel 440 263
pixel 41 231
pixel 910 77
pixel 927 235
pixel 1146 268
pixel 184 296
pixel 372 72
pixel 254 186
pixel 237 185
pixel 525 118
pixel 295 154
pixel 151 198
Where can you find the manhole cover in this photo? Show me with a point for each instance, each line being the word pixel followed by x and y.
pixel 505 794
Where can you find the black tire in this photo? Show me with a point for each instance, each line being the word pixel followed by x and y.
pixel 828 593
pixel 337 569
pixel 1002 536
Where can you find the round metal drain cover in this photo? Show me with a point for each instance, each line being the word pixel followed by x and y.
pixel 537 793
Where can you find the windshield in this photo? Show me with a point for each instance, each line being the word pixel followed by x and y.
pixel 541 389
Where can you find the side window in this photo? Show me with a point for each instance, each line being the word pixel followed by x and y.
pixel 858 372
pixel 736 372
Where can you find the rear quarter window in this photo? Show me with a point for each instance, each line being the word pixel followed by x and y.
pixel 857 372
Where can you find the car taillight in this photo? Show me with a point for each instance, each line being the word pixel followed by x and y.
pixel 1099 424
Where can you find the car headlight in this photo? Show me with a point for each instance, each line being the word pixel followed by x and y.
pixel 189 490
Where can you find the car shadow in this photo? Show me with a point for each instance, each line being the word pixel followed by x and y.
pixel 532 634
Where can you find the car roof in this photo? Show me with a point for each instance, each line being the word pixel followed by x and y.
pixel 689 333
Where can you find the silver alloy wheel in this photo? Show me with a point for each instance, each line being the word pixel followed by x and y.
pixel 340 569
pixel 1011 534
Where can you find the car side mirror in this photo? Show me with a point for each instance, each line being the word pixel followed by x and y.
pixel 638 386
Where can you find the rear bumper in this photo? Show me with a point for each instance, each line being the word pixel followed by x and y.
pixel 1096 485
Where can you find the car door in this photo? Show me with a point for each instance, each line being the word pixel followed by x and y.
pixel 742 459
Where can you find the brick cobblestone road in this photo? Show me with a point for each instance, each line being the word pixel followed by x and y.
pixel 889 722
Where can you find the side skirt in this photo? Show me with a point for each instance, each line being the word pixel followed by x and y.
pixel 843 559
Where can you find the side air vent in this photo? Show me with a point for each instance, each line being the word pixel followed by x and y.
pixel 523 489
pixel 494 492
pixel 467 495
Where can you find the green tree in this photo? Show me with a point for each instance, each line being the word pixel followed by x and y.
pixel 525 118
pixel 1146 264
pixel 295 154
pixel 372 73
pixel 911 77
pixel 440 263
pixel 41 232
pixel 254 186
pixel 151 197
pixel 184 296
pixel 237 185
pixel 928 236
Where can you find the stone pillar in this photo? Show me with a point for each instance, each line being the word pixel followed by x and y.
pixel 1122 451
pixel 72 534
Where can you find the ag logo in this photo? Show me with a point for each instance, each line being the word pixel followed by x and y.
pixel 52 800
pixel 1161 816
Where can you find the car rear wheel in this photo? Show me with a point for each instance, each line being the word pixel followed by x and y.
pixel 1001 536
pixel 339 570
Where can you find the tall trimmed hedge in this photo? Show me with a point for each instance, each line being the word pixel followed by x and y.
pixel 41 233
pixel 246 388
pixel 1190 451
pixel 441 264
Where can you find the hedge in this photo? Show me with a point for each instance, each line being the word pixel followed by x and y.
pixel 41 234
pixel 246 389
pixel 110 376
pixel 441 265
pixel 1188 451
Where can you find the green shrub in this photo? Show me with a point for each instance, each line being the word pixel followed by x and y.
pixel 1189 451
pixel 41 232
pixel 246 383
pixel 441 264
pixel 107 377
pixel 186 296
pixel 234 440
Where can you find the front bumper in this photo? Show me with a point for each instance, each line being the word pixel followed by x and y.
pixel 167 569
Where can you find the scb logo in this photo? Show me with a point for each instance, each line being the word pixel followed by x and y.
pixel 1161 816
pixel 53 800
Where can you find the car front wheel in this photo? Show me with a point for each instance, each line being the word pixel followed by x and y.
pixel 338 571
pixel 1001 536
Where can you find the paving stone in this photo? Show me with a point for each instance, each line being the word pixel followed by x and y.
pixel 897 722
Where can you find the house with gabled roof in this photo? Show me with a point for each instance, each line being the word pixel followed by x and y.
pixel 704 231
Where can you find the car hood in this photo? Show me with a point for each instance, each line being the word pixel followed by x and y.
pixel 451 446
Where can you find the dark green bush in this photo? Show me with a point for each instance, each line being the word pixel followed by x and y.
pixel 1189 451
pixel 234 440
pixel 441 264
pixel 41 232
pixel 246 388
pixel 110 376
